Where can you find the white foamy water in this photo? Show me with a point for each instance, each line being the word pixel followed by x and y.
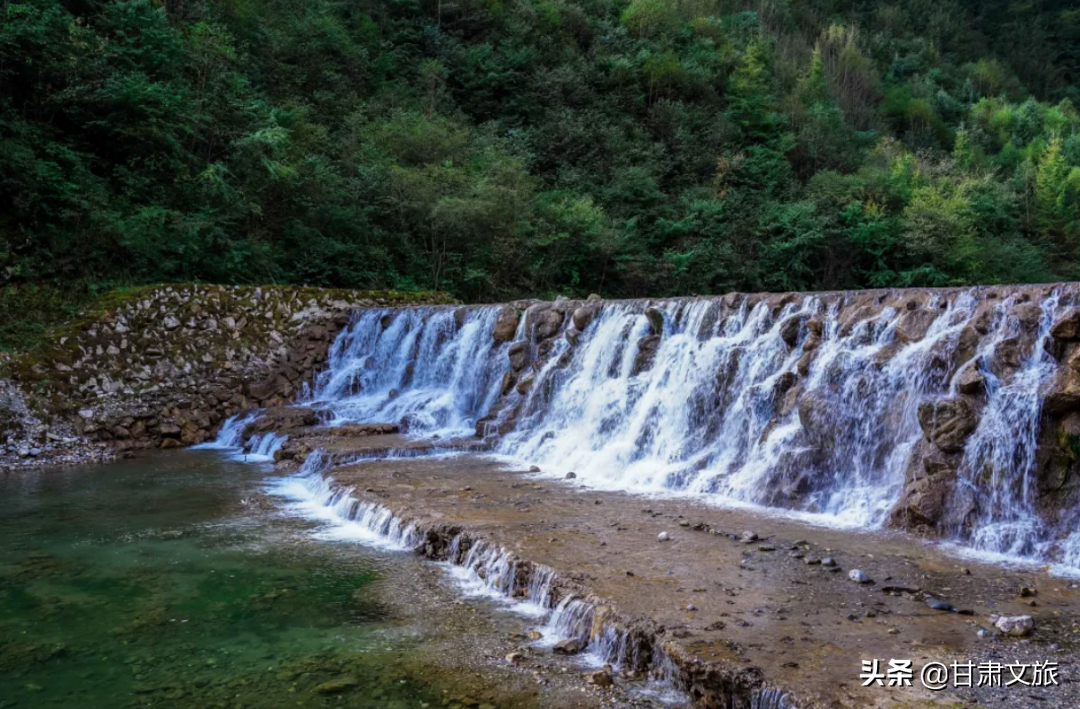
pixel 259 448
pixel 434 369
pixel 712 417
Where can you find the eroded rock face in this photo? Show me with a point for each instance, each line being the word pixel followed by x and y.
pixel 948 423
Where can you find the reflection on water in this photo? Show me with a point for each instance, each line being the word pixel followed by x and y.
pixel 170 582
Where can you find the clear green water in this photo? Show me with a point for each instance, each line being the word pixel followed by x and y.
pixel 170 582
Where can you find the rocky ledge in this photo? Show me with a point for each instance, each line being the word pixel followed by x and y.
pixel 741 609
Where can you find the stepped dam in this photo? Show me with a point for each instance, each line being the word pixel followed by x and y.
pixel 950 413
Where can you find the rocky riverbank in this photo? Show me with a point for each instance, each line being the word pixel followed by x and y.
pixel 162 367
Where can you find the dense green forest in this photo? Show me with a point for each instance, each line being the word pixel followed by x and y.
pixel 498 148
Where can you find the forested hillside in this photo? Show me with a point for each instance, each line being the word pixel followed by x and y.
pixel 498 148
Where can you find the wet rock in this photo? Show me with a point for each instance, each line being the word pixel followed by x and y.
pixel 1008 356
pixel 525 384
pixel 1015 626
pixel 1067 329
pixel 914 324
pixel 547 322
pixel 506 324
pixel 937 604
pixel 1028 592
pixel 337 685
pixel 515 658
pixel 789 330
pixel 570 646
pixel 571 475
pixel 971 381
pixel 828 561
pixel 584 315
pixel 519 355
pixel 1064 396
pixel 602 677
pixel 656 321
pixel 749 536
pixel 646 352
pixel 859 576
pixel 535 635
pixel 948 423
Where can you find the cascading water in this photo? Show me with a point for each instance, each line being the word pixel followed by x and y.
pixel 706 418
pixel 997 473
pixel 231 434
pixel 480 568
pixel 259 448
pixel 809 404
pixel 434 368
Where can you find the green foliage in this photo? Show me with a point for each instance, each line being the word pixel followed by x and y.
pixel 533 147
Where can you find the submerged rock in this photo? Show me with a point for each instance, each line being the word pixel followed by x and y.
pixel 337 685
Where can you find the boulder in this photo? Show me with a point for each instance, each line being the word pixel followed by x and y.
pixel 525 385
pixel 547 322
pixel 789 330
pixel 1008 356
pixel 817 413
pixel 506 324
pixel 584 315
pixel 519 355
pixel 1067 329
pixel 971 381
pixel 1064 395
pixel 948 423
pixel 602 677
pixel 1028 315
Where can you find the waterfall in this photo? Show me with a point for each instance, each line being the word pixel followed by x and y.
pixel 259 448
pixel 707 418
pixel 314 494
pixel 432 368
pixel 807 405
pixel 231 434
pixel 997 473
